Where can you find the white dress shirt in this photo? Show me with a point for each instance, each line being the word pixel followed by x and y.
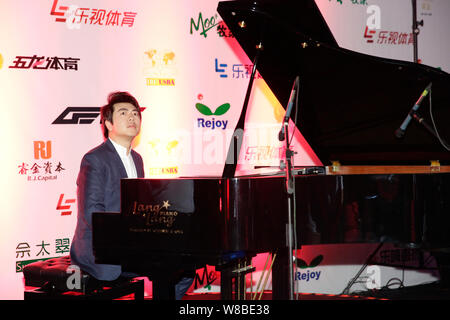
pixel 127 160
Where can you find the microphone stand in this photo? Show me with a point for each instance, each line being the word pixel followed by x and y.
pixel 290 194
pixel 290 197
pixel 415 30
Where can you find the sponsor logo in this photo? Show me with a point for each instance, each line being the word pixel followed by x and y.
pixel 386 37
pixel 159 67
pixel 236 70
pixel 223 31
pixel 39 252
pixel 45 63
pixel 164 153
pixel 156 171
pixel 204 278
pixel 212 123
pixel 160 82
pixel 79 115
pixel 1 60
pixel 66 205
pixel 44 170
pixel 42 149
pixel 368 34
pixel 308 275
pixel 202 26
pixel 74 16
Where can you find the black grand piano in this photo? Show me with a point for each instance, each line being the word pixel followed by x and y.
pixel 377 183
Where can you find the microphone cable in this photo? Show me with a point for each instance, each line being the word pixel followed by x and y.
pixel 434 126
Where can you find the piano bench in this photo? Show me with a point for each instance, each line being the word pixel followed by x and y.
pixel 53 280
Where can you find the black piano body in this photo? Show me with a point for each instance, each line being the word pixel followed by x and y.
pixel 167 226
pixel 196 221
pixel 372 187
pixel 170 226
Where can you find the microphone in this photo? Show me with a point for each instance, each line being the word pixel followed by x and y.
pixel 292 99
pixel 400 132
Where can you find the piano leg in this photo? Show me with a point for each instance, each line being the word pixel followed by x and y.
pixel 163 288
pixel 280 275
pixel 226 284
pixel 443 263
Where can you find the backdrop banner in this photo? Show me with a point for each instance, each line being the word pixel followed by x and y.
pixel 59 59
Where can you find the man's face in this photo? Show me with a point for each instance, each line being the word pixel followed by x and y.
pixel 126 123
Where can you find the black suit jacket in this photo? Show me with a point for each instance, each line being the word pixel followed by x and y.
pixel 98 190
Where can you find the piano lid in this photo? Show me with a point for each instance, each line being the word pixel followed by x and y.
pixel 350 104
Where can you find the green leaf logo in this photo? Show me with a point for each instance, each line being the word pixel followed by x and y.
pixel 316 261
pixel 203 109
pixel 302 264
pixel 222 109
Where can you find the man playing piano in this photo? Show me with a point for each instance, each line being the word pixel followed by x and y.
pixel 98 183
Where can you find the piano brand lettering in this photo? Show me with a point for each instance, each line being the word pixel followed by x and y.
pixel 154 215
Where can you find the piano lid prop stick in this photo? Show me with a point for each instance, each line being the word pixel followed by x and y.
pixel 236 141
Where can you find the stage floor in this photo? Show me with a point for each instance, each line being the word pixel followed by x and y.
pixel 431 291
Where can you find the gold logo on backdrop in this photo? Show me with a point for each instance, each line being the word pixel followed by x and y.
pixel 159 67
pixel 1 60
pixel 164 159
